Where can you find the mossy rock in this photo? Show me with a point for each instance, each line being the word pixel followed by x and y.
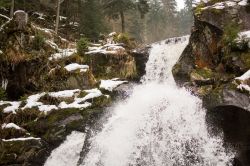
pixel 21 152
pixel 202 76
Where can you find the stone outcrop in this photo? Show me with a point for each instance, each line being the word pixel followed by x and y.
pixel 210 67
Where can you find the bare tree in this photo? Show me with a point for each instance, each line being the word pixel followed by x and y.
pixel 58 5
pixel 12 8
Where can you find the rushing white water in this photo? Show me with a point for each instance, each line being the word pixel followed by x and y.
pixel 159 124
pixel 68 153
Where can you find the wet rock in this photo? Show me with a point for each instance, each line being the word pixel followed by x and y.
pixel 141 56
pixel 22 152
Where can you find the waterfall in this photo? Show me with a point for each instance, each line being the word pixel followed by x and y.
pixel 68 153
pixel 160 124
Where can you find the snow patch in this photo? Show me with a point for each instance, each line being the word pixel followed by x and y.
pixel 111 84
pixel 32 101
pixel 244 87
pixel 64 105
pixel 10 125
pixel 64 94
pixel 20 139
pixel 52 44
pixel 75 66
pixel 244 77
pixel 47 108
pixel 106 49
pixel 243 3
pixel 63 53
pixel 13 108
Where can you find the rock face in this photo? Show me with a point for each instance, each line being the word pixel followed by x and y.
pixel 141 56
pixel 25 60
pixel 49 90
pixel 211 65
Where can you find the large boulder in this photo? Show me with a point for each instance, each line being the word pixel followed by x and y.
pixel 141 56
pixel 211 67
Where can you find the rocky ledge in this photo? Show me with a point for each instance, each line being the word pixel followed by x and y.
pixel 50 89
pixel 215 66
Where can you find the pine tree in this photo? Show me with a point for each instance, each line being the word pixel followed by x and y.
pixel 116 9
pixel 91 19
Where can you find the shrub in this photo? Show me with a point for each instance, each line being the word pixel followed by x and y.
pixel 3 95
pixel 230 34
pixel 125 38
pixel 82 46
pixel 38 41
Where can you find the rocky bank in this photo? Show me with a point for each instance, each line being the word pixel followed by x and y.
pixel 215 66
pixel 49 89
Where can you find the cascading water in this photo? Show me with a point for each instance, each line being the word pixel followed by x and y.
pixel 159 124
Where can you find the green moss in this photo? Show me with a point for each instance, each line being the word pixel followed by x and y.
pixel 38 41
pixel 3 95
pixel 198 9
pixel 245 58
pixel 231 31
pixel 204 90
pixel 200 74
pixel 57 116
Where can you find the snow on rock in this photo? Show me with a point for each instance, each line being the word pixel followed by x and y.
pixel 20 139
pixel 47 108
pixel 222 5
pixel 32 101
pixel 64 105
pixel 111 84
pixel 12 108
pixel 243 81
pixel 243 3
pixel 63 53
pixel 92 93
pixel 52 44
pixel 112 34
pixel 40 15
pixel 62 18
pixel 75 66
pixel 11 125
pixel 244 77
pixel 64 94
pixel 244 35
pixel 244 87
pixel 45 30
pixel 106 49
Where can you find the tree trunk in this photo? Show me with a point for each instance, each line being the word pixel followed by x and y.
pixel 12 8
pixel 123 21
pixel 57 16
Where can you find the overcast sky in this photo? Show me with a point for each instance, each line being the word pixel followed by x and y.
pixel 180 4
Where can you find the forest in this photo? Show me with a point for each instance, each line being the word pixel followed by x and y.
pixel 146 21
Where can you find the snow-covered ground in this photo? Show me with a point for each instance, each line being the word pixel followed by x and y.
pixel 33 101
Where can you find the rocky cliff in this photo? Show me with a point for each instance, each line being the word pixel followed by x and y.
pixel 215 66
pixel 49 89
